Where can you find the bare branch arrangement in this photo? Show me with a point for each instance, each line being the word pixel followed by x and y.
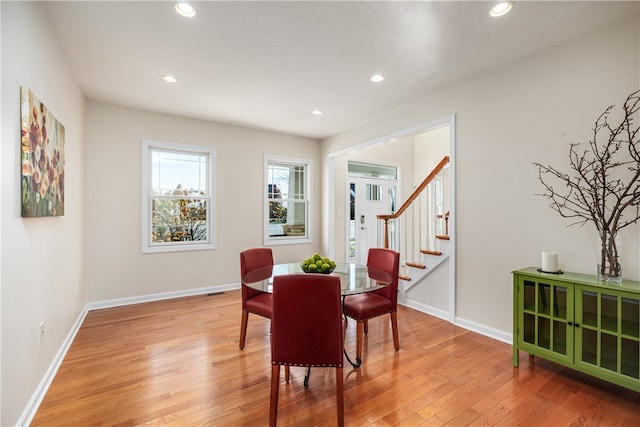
pixel 604 183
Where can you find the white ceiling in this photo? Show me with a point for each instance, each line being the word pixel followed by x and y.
pixel 269 64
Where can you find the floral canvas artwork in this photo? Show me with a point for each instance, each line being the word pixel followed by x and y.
pixel 42 159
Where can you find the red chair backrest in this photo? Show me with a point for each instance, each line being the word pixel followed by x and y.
pixel 252 259
pixel 306 324
pixel 389 261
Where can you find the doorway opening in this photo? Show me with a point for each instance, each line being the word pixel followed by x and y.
pixel 358 198
pixel 371 193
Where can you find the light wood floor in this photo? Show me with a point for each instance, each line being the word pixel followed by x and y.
pixel 177 363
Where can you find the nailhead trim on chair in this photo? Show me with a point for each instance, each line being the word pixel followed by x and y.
pixel 377 315
pixel 312 366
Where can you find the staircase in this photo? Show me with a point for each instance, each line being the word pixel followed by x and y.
pixel 419 229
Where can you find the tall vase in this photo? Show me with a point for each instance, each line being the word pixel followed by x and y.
pixel 609 259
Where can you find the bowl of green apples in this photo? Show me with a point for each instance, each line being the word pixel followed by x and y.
pixel 318 264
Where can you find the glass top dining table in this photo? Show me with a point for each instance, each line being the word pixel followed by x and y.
pixel 354 278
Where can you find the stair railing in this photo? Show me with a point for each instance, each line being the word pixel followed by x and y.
pixel 409 220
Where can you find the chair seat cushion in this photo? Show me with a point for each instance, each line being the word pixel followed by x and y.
pixel 261 305
pixel 366 306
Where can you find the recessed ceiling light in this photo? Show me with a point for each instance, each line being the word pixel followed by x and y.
pixel 501 9
pixel 316 112
pixel 377 78
pixel 185 9
pixel 169 79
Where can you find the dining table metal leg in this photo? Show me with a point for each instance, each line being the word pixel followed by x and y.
pixel 358 361
pixel 306 377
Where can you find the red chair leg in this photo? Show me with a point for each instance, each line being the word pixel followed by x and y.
pixel 394 328
pixel 287 373
pixel 340 396
pixel 359 338
pixel 243 328
pixel 273 402
pixel 366 327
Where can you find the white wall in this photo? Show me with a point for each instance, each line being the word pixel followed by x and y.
pixel 116 268
pixel 430 148
pixel 507 119
pixel 42 259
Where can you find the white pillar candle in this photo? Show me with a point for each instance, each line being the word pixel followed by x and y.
pixel 550 262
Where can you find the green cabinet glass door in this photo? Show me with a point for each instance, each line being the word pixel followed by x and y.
pixel 545 325
pixel 607 334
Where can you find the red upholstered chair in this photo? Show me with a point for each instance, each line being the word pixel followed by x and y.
pixel 363 307
pixel 254 301
pixel 306 330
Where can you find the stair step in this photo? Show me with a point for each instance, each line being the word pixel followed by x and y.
pixel 428 252
pixel 442 237
pixel 415 264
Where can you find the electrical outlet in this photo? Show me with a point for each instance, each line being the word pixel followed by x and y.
pixel 41 332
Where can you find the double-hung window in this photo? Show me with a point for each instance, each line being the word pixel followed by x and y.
pixel 287 200
pixel 177 197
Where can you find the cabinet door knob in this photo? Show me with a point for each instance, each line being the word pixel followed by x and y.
pixel 570 323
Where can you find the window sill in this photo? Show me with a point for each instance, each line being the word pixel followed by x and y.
pixel 178 248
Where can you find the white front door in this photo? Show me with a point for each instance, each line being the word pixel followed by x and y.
pixel 369 197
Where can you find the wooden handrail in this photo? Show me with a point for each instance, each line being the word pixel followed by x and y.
pixel 411 198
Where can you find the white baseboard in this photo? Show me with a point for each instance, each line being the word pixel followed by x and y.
pixel 34 403
pixel 161 296
pixel 427 309
pixel 463 323
pixel 496 334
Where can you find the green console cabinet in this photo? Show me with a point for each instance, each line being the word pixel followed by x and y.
pixel 576 321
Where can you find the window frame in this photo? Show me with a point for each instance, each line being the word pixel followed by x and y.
pixel 307 164
pixel 148 146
